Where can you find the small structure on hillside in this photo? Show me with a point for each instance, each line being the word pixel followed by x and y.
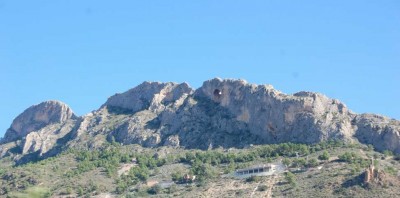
pixel 259 170
pixel 189 178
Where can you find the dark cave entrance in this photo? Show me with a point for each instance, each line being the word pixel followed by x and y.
pixel 217 93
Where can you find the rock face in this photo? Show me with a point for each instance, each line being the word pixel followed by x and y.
pixel 150 104
pixel 39 127
pixel 374 176
pixel 37 117
pixel 221 113
pixel 276 117
pixel 149 95
pixel 380 131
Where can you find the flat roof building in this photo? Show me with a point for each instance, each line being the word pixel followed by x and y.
pixel 259 170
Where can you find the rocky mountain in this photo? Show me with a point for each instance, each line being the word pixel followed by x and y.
pixel 221 113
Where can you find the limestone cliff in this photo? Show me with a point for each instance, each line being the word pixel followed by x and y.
pixel 37 117
pixel 380 131
pixel 152 96
pixel 39 127
pixel 276 117
pixel 221 113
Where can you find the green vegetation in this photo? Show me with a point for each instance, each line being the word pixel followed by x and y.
pixel 312 162
pixel 286 162
pixel 354 159
pixel 88 172
pixel 391 171
pixel 291 179
pixel 202 170
pixel 32 192
pixel 108 157
pixel 324 156
pixel 156 189
pixel 177 176
pixel 299 162
pixel 135 175
pixel 387 153
pixel 262 187
pixel 253 179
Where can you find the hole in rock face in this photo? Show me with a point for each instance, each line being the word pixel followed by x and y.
pixel 217 93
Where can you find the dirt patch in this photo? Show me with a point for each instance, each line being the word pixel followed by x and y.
pixel 124 169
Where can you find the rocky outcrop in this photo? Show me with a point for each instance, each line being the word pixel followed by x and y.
pixel 382 132
pixel 374 176
pixel 172 141
pixel 149 104
pixel 135 130
pixel 149 95
pixel 221 113
pixel 45 139
pixel 38 128
pixel 37 117
pixel 276 117
pixel 234 113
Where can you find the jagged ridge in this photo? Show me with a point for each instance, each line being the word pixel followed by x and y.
pixel 221 113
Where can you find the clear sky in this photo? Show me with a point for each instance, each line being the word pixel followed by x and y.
pixel 82 52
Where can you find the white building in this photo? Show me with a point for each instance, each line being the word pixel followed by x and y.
pixel 260 170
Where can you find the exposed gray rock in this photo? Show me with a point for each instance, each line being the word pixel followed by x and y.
pixel 381 132
pixel 276 117
pixel 148 95
pixel 37 117
pixel 221 113
pixel 134 130
pixel 43 140
pixel 38 129
pixel 149 105
pixel 172 141
pixel 6 147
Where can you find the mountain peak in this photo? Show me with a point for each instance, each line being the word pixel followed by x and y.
pixel 38 116
pixel 221 113
pixel 147 94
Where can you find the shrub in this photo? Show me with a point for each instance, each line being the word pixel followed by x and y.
pixel 299 162
pixel 202 171
pixel 172 189
pixel 391 170
pixel 80 191
pixel 156 189
pixel 387 153
pixel 291 179
pixel 263 188
pixel 141 192
pixel 239 193
pixel 312 162
pixel 370 147
pixel 177 176
pixel 286 162
pixel 376 163
pixel 324 156
pixel 348 157
pixel 253 179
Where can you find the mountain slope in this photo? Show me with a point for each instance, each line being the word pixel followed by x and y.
pixel 221 113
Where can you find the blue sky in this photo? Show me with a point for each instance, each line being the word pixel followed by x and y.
pixel 82 52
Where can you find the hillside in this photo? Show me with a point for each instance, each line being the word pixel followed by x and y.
pixel 134 171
